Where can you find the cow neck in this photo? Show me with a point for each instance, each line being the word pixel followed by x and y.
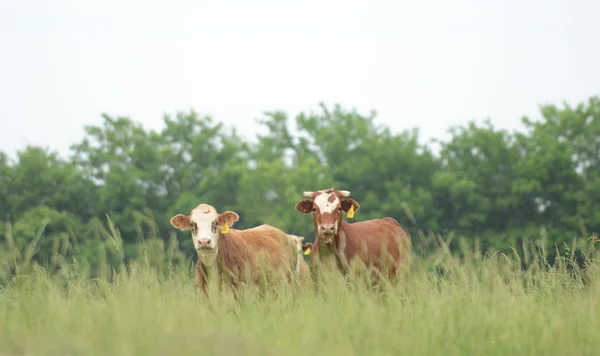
pixel 208 269
pixel 215 257
pixel 342 232
pixel 231 249
pixel 339 240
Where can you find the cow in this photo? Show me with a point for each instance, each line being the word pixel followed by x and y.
pixel 226 252
pixel 302 269
pixel 341 243
pixel 306 247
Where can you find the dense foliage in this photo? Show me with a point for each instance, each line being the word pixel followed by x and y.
pixel 494 188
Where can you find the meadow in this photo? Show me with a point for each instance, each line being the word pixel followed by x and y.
pixel 70 284
pixel 462 303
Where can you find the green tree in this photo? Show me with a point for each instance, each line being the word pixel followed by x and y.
pixel 41 178
pixel 474 188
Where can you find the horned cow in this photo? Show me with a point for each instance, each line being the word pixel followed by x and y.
pixel 340 242
pixel 224 251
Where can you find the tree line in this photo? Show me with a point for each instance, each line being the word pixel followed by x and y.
pixel 490 187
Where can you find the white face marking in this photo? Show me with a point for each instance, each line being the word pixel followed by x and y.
pixel 204 217
pixel 295 239
pixel 298 245
pixel 325 206
pixel 322 201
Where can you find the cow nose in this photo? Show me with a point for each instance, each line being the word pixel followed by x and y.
pixel 204 242
pixel 327 228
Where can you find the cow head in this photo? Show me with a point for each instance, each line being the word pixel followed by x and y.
pixel 307 246
pixel 297 240
pixel 327 206
pixel 206 226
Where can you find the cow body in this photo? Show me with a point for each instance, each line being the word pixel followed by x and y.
pixel 230 253
pixel 341 243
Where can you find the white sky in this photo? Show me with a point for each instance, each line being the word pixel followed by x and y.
pixel 426 64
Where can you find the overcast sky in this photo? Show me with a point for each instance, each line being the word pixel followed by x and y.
pixel 427 64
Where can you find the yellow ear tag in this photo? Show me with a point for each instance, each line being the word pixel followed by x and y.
pixel 307 251
pixel 225 229
pixel 350 213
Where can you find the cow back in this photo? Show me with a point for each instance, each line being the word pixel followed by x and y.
pixel 368 239
pixel 270 243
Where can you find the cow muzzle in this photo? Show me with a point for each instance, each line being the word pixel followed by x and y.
pixel 327 232
pixel 204 244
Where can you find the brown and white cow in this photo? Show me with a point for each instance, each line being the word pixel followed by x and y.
pixel 341 243
pixel 223 251
pixel 302 269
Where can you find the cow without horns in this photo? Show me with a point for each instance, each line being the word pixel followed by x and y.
pixel 302 269
pixel 223 251
pixel 341 242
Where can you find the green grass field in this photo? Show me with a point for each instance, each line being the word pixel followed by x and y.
pixel 469 306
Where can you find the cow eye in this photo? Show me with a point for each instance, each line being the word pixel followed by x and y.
pixel 314 209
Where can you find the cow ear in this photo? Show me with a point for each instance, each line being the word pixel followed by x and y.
pixel 304 206
pixel 348 202
pixel 181 222
pixel 228 217
pixel 300 238
pixel 306 246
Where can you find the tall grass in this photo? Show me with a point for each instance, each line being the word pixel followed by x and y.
pixel 469 303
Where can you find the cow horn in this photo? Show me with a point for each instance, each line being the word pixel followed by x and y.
pixel 345 193
pixel 308 194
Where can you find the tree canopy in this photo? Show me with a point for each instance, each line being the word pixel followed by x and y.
pixel 485 184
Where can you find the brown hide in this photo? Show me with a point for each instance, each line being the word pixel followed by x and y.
pixel 364 240
pixel 240 249
pixel 304 270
